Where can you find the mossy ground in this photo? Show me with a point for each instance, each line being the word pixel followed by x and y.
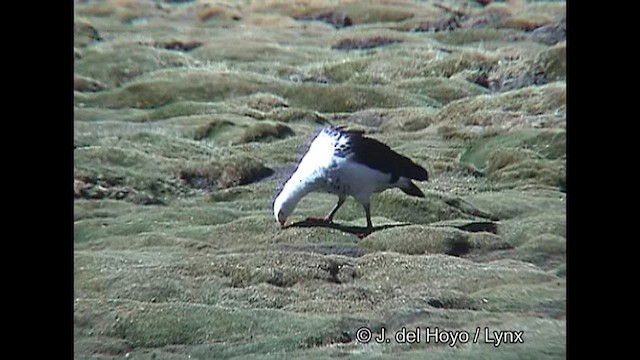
pixel 188 114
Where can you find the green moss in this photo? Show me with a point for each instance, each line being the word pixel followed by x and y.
pixel 532 67
pixel 113 160
pixel 210 129
pixel 176 109
pixel 546 250
pixel 197 267
pixel 553 62
pixel 528 144
pixel 346 70
pixel 398 64
pixel 547 7
pixel 265 132
pixel 86 84
pixel 400 119
pixel 415 239
pixel 92 229
pixel 99 114
pixel 266 102
pixel 290 8
pixel 164 87
pixel 520 155
pixel 84 33
pixel 121 64
pixel 459 61
pixel 114 221
pixel 362 14
pixel 539 171
pixel 232 172
pixel 530 298
pixel 293 114
pixel 397 206
pixel 346 98
pixel 244 49
pixel 442 89
pixel 561 270
pixel 85 209
pixel 524 21
pixel 161 166
pixel 433 270
pixel 520 230
pixel 503 157
pixel 548 144
pixel 216 15
pixel 156 325
pixel 194 85
pixel 361 42
pixel 475 35
pixel 96 9
pixel 509 204
pixel 466 133
pixel 534 101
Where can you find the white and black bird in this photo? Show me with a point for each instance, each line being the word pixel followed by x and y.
pixel 346 163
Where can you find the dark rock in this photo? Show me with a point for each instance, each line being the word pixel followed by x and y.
pixel 449 23
pixel 335 18
pixel 365 43
pixel 179 45
pixel 458 247
pixel 84 33
pixel 480 227
pixel 266 132
pixel 469 225
pixel 221 176
pixel 552 33
pixel 86 84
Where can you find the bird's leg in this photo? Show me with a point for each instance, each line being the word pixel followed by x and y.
pixel 329 217
pixel 369 229
pixel 341 200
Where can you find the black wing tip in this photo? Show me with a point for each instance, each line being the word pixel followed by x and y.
pixel 379 156
pixel 420 174
pixel 413 190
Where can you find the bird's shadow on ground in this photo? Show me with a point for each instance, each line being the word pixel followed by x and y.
pixel 355 230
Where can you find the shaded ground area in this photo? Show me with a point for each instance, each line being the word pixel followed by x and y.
pixel 188 115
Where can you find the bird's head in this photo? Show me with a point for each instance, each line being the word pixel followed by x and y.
pixel 283 207
pixel 301 181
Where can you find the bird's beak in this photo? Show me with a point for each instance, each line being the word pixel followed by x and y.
pixel 281 224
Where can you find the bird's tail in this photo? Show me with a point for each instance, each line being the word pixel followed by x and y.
pixel 411 189
pixel 417 172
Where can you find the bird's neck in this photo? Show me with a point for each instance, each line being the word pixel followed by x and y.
pixel 309 173
pixel 297 187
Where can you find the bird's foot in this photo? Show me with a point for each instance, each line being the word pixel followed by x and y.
pixel 321 220
pixel 364 234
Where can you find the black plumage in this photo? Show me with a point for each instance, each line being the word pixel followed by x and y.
pixel 376 155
